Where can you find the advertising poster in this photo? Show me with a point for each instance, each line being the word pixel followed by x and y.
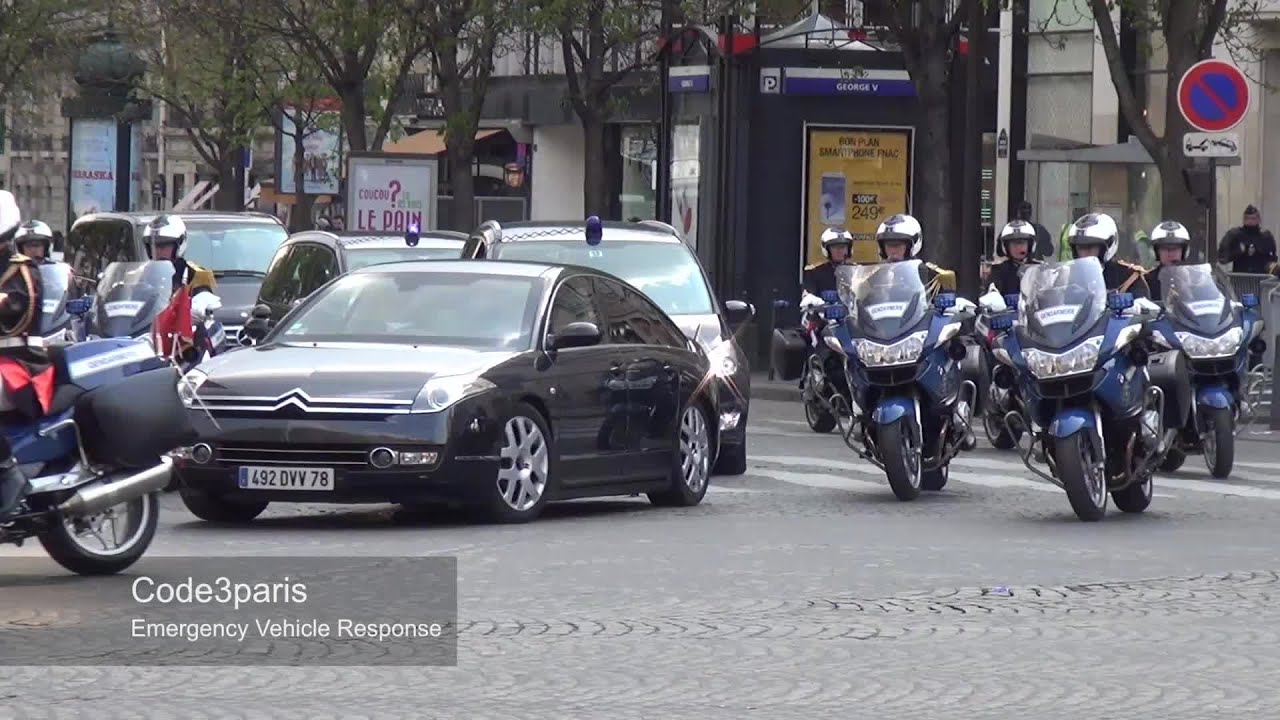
pixel 137 193
pixel 685 175
pixel 93 166
pixel 855 179
pixel 387 193
pixel 321 154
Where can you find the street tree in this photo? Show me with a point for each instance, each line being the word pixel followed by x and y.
pixel 1188 31
pixel 363 51
pixel 37 36
pixel 462 38
pixel 200 58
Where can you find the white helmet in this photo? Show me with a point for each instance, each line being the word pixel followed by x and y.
pixel 1171 233
pixel 33 231
pixel 1016 230
pixel 904 228
pixel 1095 229
pixel 166 230
pixel 835 236
pixel 10 216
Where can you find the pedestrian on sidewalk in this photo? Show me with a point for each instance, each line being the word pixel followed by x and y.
pixel 1248 248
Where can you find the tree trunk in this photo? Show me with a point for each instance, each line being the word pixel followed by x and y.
pixel 300 215
pixel 463 184
pixel 229 197
pixel 353 118
pixel 595 190
pixel 932 164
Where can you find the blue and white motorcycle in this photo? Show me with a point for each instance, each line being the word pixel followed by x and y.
pixel 911 406
pixel 96 461
pixel 1090 411
pixel 1203 324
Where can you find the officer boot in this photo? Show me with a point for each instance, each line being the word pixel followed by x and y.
pixel 13 484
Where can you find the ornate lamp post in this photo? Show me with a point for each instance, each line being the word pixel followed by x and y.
pixel 104 170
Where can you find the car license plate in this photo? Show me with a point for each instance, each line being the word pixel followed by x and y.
pixel 286 478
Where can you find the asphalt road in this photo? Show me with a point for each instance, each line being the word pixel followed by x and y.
pixel 800 590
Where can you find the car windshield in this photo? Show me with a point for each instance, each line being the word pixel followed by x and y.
pixel 364 257
pixel 884 300
pixel 665 271
pixel 473 310
pixel 1061 302
pixel 230 247
pixel 1197 298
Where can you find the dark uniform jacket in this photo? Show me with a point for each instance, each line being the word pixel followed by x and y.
pixel 937 279
pixel 195 278
pixel 820 277
pixel 20 314
pixel 1122 276
pixel 1248 251
pixel 1006 276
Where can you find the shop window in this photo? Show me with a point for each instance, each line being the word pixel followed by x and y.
pixel 639 148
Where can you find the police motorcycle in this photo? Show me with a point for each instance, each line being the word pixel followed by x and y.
pixel 97 460
pixel 911 406
pixel 1202 322
pixel 56 320
pixel 1091 414
pixel 823 386
pixel 130 295
pixel 996 315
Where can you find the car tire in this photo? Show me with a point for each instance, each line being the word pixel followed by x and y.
pixel 733 459
pixel 219 510
pixel 526 471
pixel 690 461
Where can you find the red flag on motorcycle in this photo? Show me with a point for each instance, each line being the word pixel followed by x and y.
pixel 174 324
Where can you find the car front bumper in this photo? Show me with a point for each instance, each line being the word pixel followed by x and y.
pixel 465 441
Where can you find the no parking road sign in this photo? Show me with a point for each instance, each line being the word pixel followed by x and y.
pixel 1213 96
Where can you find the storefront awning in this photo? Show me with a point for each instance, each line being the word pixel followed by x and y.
pixel 427 142
pixel 1125 153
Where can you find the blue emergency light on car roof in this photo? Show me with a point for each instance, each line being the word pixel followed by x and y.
pixel 412 234
pixel 594 230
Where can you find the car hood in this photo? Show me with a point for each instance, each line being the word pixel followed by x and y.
pixel 354 371
pixel 238 294
pixel 702 329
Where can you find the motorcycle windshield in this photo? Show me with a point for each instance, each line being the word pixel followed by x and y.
pixel 55 281
pixel 885 301
pixel 1061 302
pixel 1196 299
pixel 130 295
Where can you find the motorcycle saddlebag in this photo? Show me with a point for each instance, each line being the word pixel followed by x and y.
pixel 788 352
pixel 131 423
pixel 1168 371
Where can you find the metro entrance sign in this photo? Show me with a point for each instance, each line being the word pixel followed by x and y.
pixel 1213 96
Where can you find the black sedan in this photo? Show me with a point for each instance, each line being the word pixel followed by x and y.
pixel 501 385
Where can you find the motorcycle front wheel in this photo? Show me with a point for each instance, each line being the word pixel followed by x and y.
pixel 899 444
pixel 1219 442
pixel 1081 475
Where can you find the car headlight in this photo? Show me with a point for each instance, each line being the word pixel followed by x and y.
pixel 1072 362
pixel 1225 345
pixel 189 384
pixel 442 392
pixel 723 358
pixel 907 350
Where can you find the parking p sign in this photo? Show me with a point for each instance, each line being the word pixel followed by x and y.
pixel 770 81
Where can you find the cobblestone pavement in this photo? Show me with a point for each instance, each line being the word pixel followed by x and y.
pixel 802 589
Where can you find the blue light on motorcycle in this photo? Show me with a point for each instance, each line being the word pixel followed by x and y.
pixel 1011 301
pixel 834 312
pixel 944 300
pixel 594 230
pixel 1001 322
pixel 79 306
pixel 1120 301
pixel 1249 300
pixel 830 297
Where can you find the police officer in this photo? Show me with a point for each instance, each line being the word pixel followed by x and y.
pixel 1171 242
pixel 166 239
pixel 1015 241
pixel 837 243
pixel 34 239
pixel 1096 235
pixel 900 238
pixel 27 373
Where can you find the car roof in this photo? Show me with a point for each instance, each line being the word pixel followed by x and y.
pixel 514 268
pixel 188 216
pixel 557 230
pixel 443 239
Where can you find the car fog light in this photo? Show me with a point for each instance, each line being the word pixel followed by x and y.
pixel 418 458
pixel 730 420
pixel 382 458
pixel 202 453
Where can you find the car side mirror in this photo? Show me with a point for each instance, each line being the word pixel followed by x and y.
pixel 739 312
pixel 576 334
pixel 261 311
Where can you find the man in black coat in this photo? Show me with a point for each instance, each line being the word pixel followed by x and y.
pixel 1248 248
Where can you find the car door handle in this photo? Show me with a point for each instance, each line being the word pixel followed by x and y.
pixel 617 369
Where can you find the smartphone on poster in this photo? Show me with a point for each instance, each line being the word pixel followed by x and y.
pixel 832 202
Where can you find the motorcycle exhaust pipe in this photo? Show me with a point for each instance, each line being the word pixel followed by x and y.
pixel 100 496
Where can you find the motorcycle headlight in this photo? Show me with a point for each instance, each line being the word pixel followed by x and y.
pixel 440 393
pixel 188 386
pixel 1077 360
pixel 724 360
pixel 907 350
pixel 1201 348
